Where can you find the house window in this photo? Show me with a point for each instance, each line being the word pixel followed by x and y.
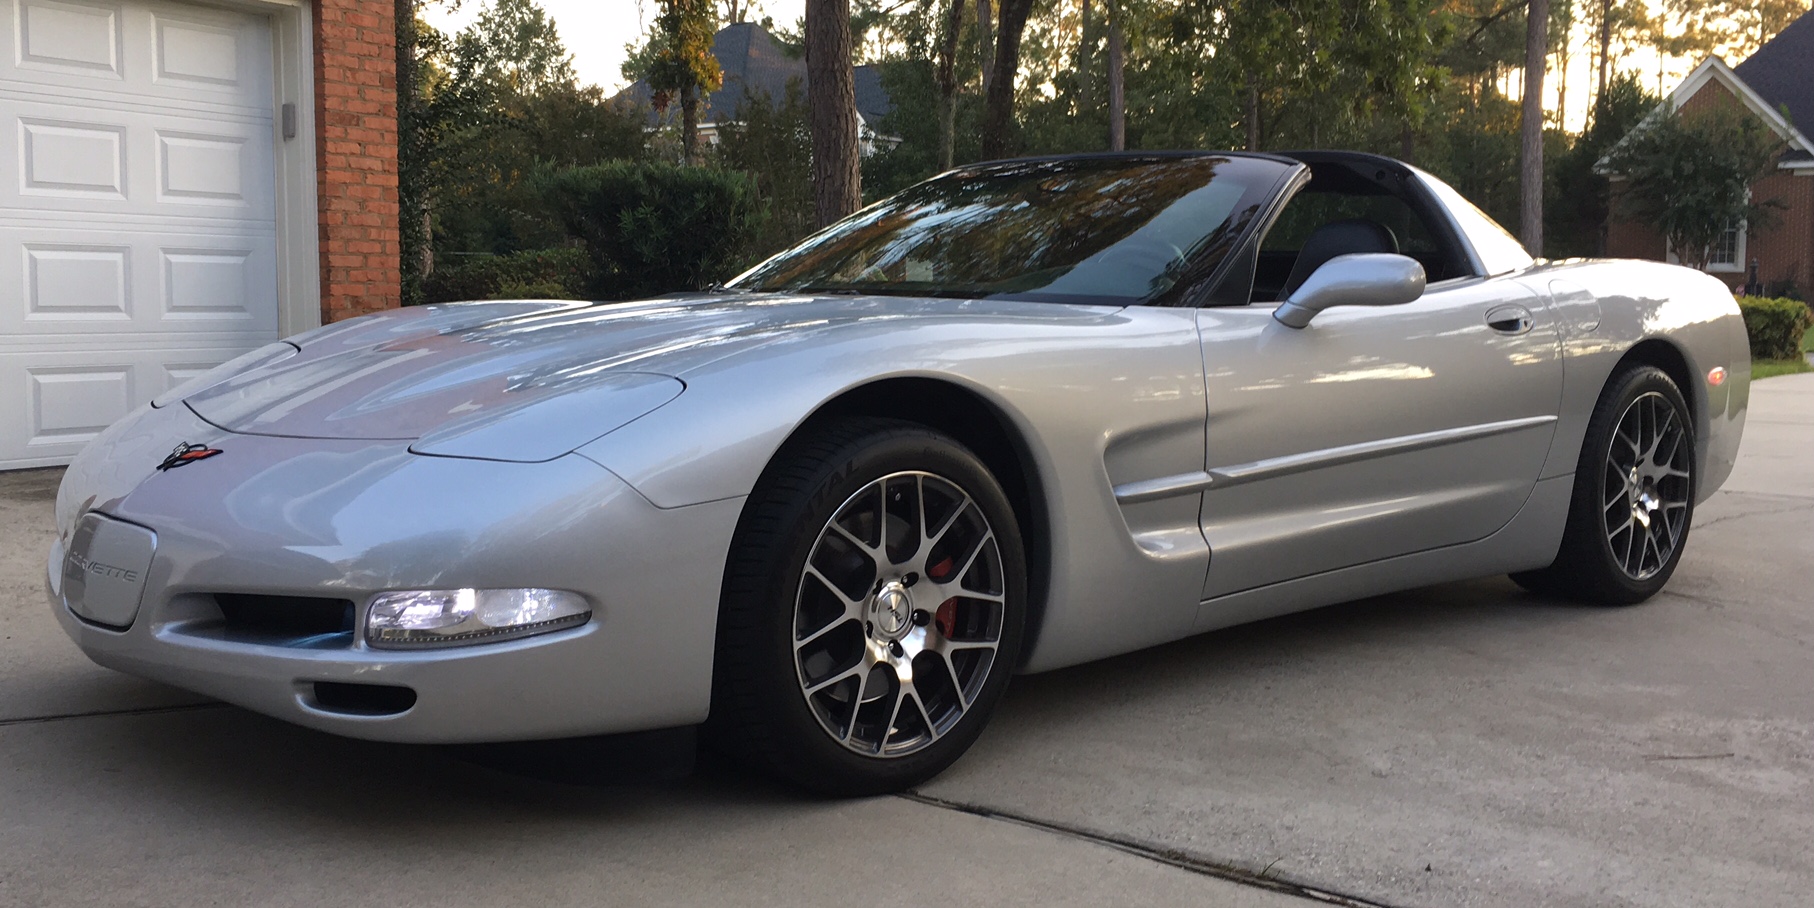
pixel 1724 253
pixel 1727 253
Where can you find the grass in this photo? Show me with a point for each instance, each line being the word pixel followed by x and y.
pixel 1769 368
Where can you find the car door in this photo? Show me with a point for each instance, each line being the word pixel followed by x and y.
pixel 1373 432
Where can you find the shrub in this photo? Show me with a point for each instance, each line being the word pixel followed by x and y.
pixel 1775 326
pixel 561 273
pixel 654 228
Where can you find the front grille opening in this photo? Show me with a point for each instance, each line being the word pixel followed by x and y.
pixel 248 616
pixel 363 699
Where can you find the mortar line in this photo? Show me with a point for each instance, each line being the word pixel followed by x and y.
pixel 103 713
pixel 1171 858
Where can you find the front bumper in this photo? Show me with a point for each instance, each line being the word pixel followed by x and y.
pixel 346 520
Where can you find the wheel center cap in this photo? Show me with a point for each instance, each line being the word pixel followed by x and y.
pixel 1645 501
pixel 892 610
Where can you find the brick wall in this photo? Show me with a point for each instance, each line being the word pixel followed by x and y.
pixel 356 156
pixel 1785 251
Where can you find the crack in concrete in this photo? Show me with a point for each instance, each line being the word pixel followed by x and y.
pixel 1170 857
pixel 1807 506
pixel 105 713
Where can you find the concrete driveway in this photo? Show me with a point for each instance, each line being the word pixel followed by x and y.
pixel 1460 745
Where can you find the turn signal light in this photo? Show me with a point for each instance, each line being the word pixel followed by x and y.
pixel 1717 376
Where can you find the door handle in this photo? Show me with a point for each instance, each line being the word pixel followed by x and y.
pixel 1510 320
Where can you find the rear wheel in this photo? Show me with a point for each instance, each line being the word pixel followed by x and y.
pixel 1633 498
pixel 873 610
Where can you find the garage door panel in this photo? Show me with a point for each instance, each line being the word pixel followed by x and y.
pixel 74 403
pixel 53 402
pixel 61 36
pixel 144 281
pixel 139 243
pixel 72 159
pixel 161 51
pixel 138 162
pixel 77 282
pixel 201 169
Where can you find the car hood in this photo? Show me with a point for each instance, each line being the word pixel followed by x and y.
pixel 436 370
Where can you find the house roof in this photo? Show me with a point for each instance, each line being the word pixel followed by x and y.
pixel 753 60
pixel 1782 72
pixel 1714 69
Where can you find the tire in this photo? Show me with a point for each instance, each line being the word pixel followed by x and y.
pixel 1633 501
pixel 877 569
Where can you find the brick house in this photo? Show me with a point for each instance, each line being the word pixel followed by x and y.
pixel 183 182
pixel 754 63
pixel 1775 84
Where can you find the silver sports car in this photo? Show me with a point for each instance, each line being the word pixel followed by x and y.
pixel 1023 415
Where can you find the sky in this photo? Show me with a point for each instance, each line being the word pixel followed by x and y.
pixel 597 31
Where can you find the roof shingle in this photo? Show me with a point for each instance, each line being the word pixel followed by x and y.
pixel 1782 73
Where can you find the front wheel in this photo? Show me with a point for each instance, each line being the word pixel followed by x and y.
pixel 1633 499
pixel 873 609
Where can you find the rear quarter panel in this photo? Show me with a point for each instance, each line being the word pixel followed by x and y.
pixel 1606 308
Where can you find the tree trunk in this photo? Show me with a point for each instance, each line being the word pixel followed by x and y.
pixel 689 125
pixel 1407 144
pixel 985 40
pixel 1117 80
pixel 1605 47
pixel 831 96
pixel 947 84
pixel 1562 76
pixel 1086 61
pixel 998 116
pixel 1530 171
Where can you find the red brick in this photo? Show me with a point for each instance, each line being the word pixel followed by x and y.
pixel 356 156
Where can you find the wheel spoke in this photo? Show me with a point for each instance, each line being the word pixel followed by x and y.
pixel 931 541
pixel 932 731
pixel 855 671
pixel 982 545
pixel 850 537
pixel 830 626
pixel 894 716
pixel 944 658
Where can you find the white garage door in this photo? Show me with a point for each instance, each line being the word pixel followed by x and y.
pixel 137 223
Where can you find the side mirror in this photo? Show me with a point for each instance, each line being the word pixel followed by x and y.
pixel 1361 279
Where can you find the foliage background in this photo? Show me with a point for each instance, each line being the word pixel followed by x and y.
pixel 493 116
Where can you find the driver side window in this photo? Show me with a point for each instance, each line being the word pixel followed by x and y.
pixel 1387 216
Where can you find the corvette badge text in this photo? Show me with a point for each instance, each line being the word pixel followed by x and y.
pixel 102 570
pixel 187 454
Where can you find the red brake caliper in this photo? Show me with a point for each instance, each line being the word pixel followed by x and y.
pixel 946 616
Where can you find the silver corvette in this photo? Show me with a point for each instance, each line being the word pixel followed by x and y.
pixel 1023 415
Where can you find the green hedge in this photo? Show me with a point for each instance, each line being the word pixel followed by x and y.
pixel 560 273
pixel 654 228
pixel 1775 326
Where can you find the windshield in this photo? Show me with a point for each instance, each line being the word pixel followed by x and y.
pixel 1101 230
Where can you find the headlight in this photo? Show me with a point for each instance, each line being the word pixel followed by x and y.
pixel 412 619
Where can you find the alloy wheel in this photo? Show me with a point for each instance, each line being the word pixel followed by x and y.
pixel 899 614
pixel 1648 485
